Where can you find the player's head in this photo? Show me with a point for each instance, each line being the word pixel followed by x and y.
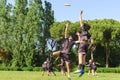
pixel 70 38
pixel 91 60
pixel 86 26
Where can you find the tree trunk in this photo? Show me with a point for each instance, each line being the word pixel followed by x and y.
pixel 107 55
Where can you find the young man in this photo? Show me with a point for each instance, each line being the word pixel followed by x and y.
pixel 83 45
pixel 64 53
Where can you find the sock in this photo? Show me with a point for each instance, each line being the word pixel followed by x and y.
pixel 80 66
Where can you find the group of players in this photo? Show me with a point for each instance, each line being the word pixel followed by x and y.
pixel 68 43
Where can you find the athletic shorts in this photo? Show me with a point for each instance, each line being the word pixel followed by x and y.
pixel 65 56
pixel 83 48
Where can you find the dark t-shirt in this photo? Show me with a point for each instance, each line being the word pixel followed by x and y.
pixel 67 46
pixel 93 65
pixel 85 33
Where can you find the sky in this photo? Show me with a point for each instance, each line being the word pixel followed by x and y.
pixel 92 9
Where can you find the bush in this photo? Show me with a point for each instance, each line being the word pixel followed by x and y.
pixel 37 69
pixel 27 68
pixel 102 70
pixel 108 70
pixel 15 69
pixel 3 68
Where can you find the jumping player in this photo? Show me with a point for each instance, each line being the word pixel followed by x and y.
pixel 83 46
pixel 64 53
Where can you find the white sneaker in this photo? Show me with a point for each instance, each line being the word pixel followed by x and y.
pixel 77 71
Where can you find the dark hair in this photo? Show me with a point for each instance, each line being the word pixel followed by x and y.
pixel 86 26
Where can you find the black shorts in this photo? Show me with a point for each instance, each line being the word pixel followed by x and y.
pixel 65 56
pixel 95 68
pixel 83 47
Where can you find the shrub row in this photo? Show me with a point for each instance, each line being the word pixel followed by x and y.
pixel 20 69
pixel 106 70
pixel 100 70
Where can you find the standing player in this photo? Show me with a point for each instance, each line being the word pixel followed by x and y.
pixel 83 46
pixel 50 67
pixel 44 67
pixel 92 67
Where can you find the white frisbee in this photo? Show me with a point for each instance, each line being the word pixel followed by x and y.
pixel 66 4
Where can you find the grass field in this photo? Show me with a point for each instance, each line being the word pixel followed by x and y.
pixel 31 75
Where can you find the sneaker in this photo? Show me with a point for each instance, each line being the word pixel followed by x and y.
pixel 81 73
pixel 78 71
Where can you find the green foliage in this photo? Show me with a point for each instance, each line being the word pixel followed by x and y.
pixel 22 27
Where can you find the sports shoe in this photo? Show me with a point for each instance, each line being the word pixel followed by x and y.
pixel 81 73
pixel 78 71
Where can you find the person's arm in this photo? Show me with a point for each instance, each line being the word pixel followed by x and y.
pixel 97 63
pixel 91 43
pixel 78 35
pixel 81 24
pixel 66 30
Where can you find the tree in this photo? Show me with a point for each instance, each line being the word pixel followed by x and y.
pixel 5 27
pixel 48 20
pixel 19 13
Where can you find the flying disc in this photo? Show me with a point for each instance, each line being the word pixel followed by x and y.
pixel 66 4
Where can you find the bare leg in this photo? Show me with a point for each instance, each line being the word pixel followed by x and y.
pixel 89 72
pixel 56 54
pixel 68 69
pixel 93 72
pixel 84 59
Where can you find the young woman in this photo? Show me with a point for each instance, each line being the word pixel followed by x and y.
pixel 83 46
pixel 64 53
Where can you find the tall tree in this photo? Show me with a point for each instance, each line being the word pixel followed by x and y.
pixel 19 13
pixel 48 20
pixel 33 28
pixel 5 26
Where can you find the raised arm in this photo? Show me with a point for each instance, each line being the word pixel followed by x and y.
pixel 66 30
pixel 78 35
pixel 81 18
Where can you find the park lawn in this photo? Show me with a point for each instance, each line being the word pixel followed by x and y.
pixel 32 75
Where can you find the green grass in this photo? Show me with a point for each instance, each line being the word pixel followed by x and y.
pixel 31 75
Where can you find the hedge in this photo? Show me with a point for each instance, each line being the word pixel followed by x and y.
pixel 99 69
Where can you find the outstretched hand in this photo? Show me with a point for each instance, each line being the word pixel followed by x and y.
pixel 81 12
pixel 67 24
pixel 77 33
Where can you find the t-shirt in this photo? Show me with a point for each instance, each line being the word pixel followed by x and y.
pixel 67 46
pixel 85 33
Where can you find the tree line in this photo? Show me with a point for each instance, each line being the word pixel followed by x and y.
pixel 29 33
